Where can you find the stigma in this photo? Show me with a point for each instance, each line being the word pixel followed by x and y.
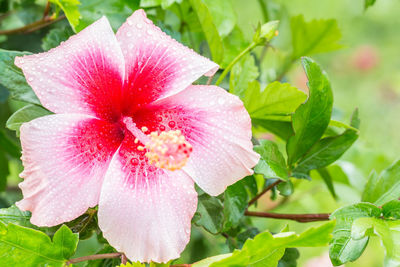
pixel 168 150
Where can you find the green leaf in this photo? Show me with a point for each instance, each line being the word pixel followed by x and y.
pixel 384 187
pixel 13 79
pixel 4 172
pixel 25 114
pixel 266 249
pixel 8 146
pixel 55 37
pixel 210 30
pixel 116 11
pixel 316 36
pixel 368 3
pixel 343 247
pixel 282 129
pixel 329 149
pixel 20 246
pixel 223 15
pixel 71 11
pixel 388 231
pixel 209 214
pixel 235 203
pixel 272 163
pixel 327 178
pixel 285 188
pixel 233 44
pixel 277 98
pixel 311 119
pixel 15 216
pixel 391 210
pixel 290 257
pixel 242 73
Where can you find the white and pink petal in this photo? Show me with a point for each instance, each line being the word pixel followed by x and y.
pixel 145 212
pixel 218 127
pixel 82 75
pixel 156 65
pixel 65 158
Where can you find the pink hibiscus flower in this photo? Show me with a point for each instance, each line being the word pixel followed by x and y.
pixel 130 134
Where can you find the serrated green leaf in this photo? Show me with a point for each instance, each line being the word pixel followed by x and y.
pixel 12 78
pixel 311 119
pixel 343 247
pixel 316 36
pixel 71 11
pixel 279 99
pixel 383 187
pixel 242 73
pixel 388 231
pixel 391 210
pixel 266 249
pixel 209 214
pixel 25 114
pixel 20 246
pixel 210 30
pixel 15 216
pixel 55 37
pixel 272 163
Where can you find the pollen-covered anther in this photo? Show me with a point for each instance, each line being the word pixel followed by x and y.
pixel 168 150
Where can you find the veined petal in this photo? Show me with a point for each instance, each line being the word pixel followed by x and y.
pixel 82 75
pixel 65 157
pixel 156 65
pixel 145 212
pixel 218 127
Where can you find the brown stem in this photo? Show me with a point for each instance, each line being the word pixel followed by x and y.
pixel 46 10
pixel 94 257
pixel 264 191
pixel 124 259
pixel 33 26
pixel 209 81
pixel 294 217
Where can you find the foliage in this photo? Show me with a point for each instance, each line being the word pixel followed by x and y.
pixel 298 132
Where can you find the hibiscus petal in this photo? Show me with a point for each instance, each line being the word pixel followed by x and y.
pixel 65 157
pixel 82 75
pixel 143 211
pixel 156 65
pixel 218 127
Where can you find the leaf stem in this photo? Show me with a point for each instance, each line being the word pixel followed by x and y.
pixel 33 26
pixel 264 191
pixel 94 257
pixel 234 61
pixel 295 217
pixel 264 10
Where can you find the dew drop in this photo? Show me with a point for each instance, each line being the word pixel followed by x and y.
pixel 139 26
pixel 171 124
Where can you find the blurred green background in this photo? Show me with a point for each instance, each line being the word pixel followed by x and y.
pixel 365 73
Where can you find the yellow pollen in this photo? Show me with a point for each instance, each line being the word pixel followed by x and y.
pixel 168 150
pixel 140 148
pixel 136 140
pixel 144 129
